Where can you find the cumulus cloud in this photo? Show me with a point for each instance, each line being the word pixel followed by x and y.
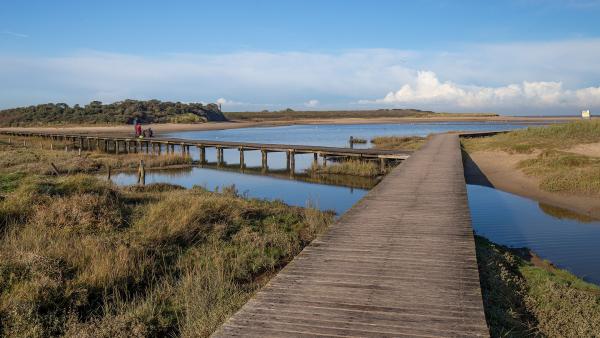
pixel 551 76
pixel 429 90
pixel 311 103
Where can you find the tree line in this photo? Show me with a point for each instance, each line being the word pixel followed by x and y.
pixel 150 111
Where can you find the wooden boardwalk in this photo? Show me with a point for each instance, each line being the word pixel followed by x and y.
pixel 399 263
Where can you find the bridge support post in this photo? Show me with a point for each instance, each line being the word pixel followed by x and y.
pixel 202 151
pixel 159 146
pixel 116 147
pixel 241 158
pixel 172 149
pixel 264 164
pixel 315 160
pixel 182 149
pixel 219 156
pixel 292 161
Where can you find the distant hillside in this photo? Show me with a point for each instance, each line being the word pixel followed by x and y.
pixel 115 113
pixel 290 114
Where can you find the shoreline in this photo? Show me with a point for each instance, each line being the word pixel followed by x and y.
pixel 235 124
pixel 497 169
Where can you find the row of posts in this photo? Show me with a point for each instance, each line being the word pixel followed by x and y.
pixel 154 147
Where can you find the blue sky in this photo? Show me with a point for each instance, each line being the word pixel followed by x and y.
pixel 513 57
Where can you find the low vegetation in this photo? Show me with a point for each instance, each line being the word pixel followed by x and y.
pixel 523 299
pixel 36 157
pixel 551 160
pixel 80 257
pixel 151 111
pixel 290 114
pixel 532 139
pixel 398 142
pixel 348 167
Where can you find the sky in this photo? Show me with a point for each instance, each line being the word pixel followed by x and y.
pixel 521 57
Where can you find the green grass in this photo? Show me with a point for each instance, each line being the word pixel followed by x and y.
pixel 348 167
pixel 526 300
pixel 528 140
pixel 398 142
pixel 557 169
pixel 82 257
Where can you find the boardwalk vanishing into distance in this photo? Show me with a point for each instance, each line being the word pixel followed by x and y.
pixel 401 262
pixel 159 145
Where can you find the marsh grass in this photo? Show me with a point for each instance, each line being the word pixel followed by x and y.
pixel 81 257
pixel 398 142
pixel 557 169
pixel 523 299
pixel 348 167
pixel 529 140
pixel 36 157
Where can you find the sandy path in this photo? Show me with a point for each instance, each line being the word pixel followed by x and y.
pixel 499 170
pixel 589 149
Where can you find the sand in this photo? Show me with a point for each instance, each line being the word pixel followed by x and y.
pixel 170 127
pixel 498 169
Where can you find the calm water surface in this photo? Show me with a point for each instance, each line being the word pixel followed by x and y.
pixel 291 191
pixel 320 135
pixel 568 240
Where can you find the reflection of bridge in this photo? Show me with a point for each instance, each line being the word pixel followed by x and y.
pixel 119 144
pixel 401 262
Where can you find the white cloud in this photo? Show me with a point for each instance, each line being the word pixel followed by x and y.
pixel 311 103
pixel 428 90
pixel 14 34
pixel 548 76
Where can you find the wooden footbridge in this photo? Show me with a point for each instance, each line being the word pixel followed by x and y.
pixel 400 263
pixel 159 145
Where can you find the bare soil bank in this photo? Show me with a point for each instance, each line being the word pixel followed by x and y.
pixel 498 169
pixel 171 127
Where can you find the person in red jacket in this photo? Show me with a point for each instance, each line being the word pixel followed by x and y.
pixel 138 129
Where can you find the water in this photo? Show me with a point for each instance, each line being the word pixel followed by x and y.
pixel 320 135
pixel 337 135
pixel 291 191
pixel 568 240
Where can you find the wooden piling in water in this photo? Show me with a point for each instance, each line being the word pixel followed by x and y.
pixel 141 174
pixel 202 151
pixel 241 158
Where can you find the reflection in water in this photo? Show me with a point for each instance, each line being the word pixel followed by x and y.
pixel 297 189
pixel 567 240
pixel 561 213
pixel 335 135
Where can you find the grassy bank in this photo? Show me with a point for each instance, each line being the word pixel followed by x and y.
pixel 553 159
pixel 35 157
pixel 527 297
pixel 348 167
pixel 80 257
pixel 398 142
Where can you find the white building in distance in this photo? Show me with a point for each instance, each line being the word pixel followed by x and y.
pixel 586 114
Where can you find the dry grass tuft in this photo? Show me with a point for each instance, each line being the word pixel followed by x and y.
pixel 348 167
pixel 398 142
